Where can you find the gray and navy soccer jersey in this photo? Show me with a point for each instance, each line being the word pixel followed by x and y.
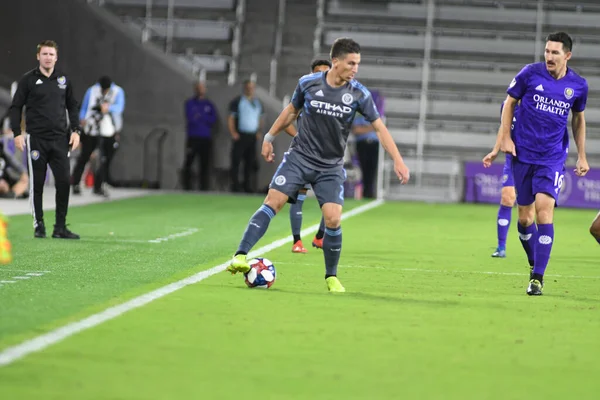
pixel 327 115
pixel 541 133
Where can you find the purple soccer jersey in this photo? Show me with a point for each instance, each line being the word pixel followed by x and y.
pixel 540 132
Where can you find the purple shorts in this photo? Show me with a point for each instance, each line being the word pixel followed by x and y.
pixel 508 179
pixel 531 179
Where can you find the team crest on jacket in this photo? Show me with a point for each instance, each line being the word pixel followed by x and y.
pixel 35 154
pixel 62 82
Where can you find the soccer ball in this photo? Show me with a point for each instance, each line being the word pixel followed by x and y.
pixel 261 275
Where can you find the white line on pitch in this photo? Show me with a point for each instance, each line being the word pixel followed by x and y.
pixel 187 232
pixel 449 271
pixel 11 354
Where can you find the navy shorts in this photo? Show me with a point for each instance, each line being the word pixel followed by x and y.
pixel 292 175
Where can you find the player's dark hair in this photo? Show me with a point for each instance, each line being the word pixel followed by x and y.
pixel 343 46
pixel 563 38
pixel 318 63
pixel 47 43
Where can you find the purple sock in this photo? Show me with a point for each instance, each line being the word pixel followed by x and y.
pixel 528 237
pixel 543 248
pixel 504 214
pixel 597 240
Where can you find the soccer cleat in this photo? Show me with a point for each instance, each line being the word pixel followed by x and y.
pixel 63 233
pixel 40 230
pixel 317 243
pixel 499 253
pixel 238 264
pixel 334 285
pixel 76 189
pixel 535 288
pixel 298 247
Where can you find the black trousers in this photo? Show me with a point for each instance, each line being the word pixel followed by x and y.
pixel 88 145
pixel 368 157
pixel 244 150
pixel 51 151
pixel 201 148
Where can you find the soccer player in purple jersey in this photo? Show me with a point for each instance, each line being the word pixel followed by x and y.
pixel 329 102
pixel 548 92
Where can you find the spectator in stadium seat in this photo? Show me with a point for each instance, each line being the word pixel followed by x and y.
pixel 245 123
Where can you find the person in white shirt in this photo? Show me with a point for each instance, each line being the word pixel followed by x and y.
pixel 101 117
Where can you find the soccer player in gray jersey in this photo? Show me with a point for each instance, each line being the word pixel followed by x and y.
pixel 328 102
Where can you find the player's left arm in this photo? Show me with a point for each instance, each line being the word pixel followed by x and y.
pixel 73 108
pixel 386 140
pixel 578 126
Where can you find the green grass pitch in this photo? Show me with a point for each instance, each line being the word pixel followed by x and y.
pixel 428 314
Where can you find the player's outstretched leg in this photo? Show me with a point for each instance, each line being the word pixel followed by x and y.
pixel 332 246
pixel 503 220
pixel 296 222
pixel 318 240
pixel 257 226
pixel 595 228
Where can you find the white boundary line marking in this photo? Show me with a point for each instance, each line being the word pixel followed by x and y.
pixel 187 232
pixel 14 353
pixel 450 271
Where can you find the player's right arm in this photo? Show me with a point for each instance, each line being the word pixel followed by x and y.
pixel 508 112
pixel 516 90
pixel 15 111
pixel 291 130
pixel 287 116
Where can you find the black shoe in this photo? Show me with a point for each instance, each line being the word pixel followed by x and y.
pixel 101 192
pixel 63 233
pixel 76 189
pixel 40 230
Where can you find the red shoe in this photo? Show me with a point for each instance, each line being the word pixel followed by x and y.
pixel 299 248
pixel 318 243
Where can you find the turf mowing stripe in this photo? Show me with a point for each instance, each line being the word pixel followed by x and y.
pixel 14 353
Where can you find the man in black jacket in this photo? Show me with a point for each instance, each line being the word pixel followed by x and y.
pixel 46 93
